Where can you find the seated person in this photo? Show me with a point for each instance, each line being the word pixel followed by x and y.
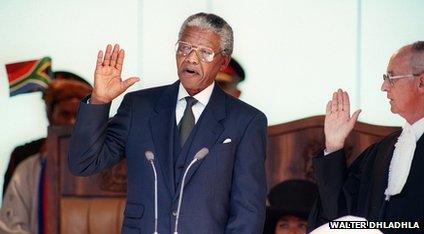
pixel 290 203
pixel 230 77
pixel 22 210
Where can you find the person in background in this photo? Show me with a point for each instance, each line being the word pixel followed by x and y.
pixel 384 183
pixel 23 209
pixel 289 205
pixel 230 77
pixel 22 152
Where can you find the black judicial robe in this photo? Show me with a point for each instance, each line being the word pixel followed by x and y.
pixel 359 189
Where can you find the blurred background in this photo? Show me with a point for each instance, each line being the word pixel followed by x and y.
pixel 295 52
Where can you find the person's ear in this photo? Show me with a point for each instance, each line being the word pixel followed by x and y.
pixel 237 93
pixel 225 61
pixel 421 83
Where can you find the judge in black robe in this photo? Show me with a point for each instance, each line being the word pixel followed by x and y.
pixel 360 190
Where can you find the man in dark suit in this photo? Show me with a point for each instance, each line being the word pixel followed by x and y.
pixel 224 192
pixel 385 182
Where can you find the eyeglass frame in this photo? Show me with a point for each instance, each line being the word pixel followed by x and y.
pixel 196 48
pixel 391 79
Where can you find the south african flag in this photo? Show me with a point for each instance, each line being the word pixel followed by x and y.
pixel 29 76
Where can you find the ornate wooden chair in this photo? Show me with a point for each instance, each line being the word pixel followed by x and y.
pixel 292 145
pixel 82 205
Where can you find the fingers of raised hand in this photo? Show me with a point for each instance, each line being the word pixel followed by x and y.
pixel 339 103
pixel 339 100
pixel 334 105
pixel 113 58
pixel 99 59
pixel 328 108
pixel 120 60
pixel 114 55
pixel 108 55
pixel 346 103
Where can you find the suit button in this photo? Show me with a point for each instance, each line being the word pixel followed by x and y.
pixel 174 213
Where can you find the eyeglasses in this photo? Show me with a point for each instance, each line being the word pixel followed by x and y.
pixel 391 79
pixel 204 53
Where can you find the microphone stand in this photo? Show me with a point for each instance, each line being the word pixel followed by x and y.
pixel 200 155
pixel 151 158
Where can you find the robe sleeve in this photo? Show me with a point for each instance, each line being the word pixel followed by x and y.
pixel 338 186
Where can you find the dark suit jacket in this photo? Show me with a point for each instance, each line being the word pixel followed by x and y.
pixel 224 193
pixel 359 190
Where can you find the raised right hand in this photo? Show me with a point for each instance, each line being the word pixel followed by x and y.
pixel 338 122
pixel 108 83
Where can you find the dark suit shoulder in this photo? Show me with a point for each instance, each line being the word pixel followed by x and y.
pixel 149 93
pixel 162 95
pixel 242 108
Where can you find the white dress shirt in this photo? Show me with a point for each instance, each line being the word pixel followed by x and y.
pixel 417 128
pixel 202 100
pixel 401 162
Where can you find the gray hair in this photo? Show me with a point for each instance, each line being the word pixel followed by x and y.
pixel 417 57
pixel 215 24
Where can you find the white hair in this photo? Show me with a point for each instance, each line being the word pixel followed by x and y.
pixel 215 24
pixel 417 57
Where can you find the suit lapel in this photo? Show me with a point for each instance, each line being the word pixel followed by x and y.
pixel 207 132
pixel 162 129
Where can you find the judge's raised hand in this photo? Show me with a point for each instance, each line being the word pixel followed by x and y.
pixel 108 83
pixel 338 122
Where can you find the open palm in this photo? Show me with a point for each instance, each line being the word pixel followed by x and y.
pixel 338 122
pixel 108 83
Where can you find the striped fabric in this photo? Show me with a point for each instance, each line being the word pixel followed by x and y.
pixel 29 76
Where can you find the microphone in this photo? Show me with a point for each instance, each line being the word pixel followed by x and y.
pixel 151 158
pixel 199 156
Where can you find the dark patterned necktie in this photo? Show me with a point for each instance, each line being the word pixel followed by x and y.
pixel 187 121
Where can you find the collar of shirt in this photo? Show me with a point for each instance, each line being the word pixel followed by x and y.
pixel 417 128
pixel 198 108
